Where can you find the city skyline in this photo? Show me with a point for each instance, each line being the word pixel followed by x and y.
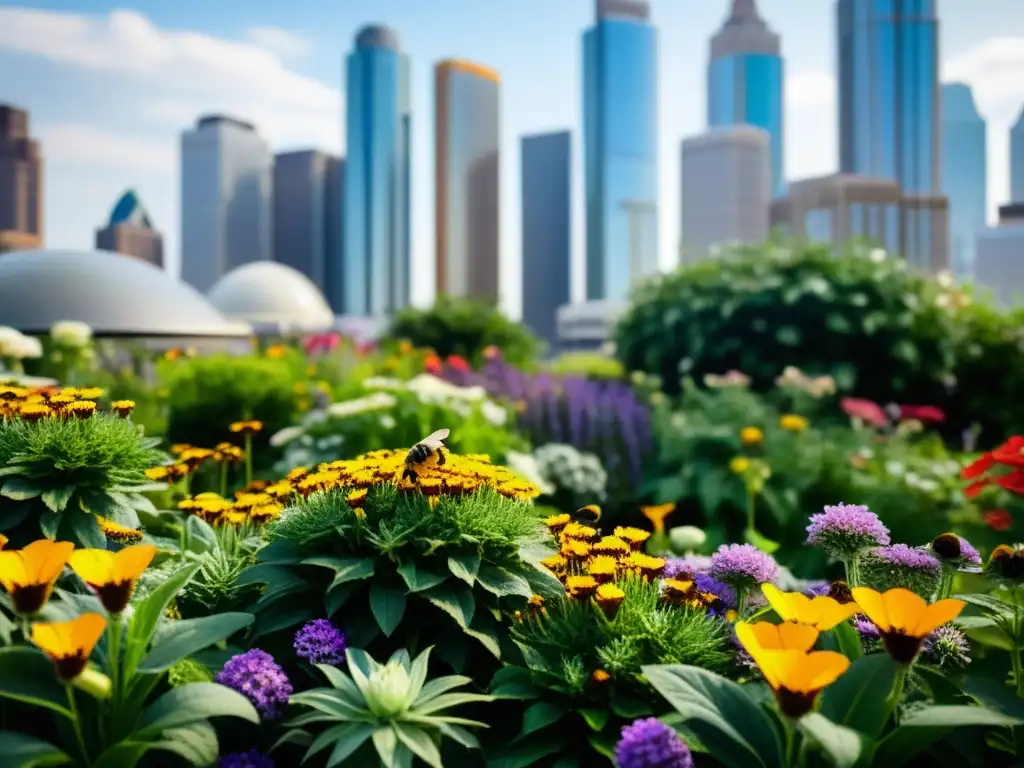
pixel 967 46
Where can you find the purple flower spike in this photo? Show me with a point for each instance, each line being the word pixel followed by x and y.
pixel 256 675
pixel 743 565
pixel 320 642
pixel 251 759
pixel 649 743
pixel 846 530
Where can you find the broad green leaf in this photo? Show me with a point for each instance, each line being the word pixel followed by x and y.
pixel 440 685
pixel 514 683
pixel 455 599
pixel 503 583
pixel 459 734
pixel 385 741
pixel 484 629
pixel 596 719
pixel 342 683
pixel 86 529
pixel 112 506
pixel 330 701
pixel 990 603
pixel 147 614
pixel 49 523
pixel 182 639
pixel 752 536
pixel 124 754
pixel 56 499
pixel 630 707
pixel 26 675
pixel 12 515
pixel 541 715
pixel 193 703
pixel 843 745
pixel 345 738
pixel 20 750
pixel 199 535
pixel 387 602
pixel 848 641
pixel 929 725
pixel 860 698
pixel 196 743
pixel 994 694
pixel 357 569
pixel 337 596
pixel 984 631
pixel 465 566
pixel 958 716
pixel 274 619
pixel 20 489
pixel 735 729
pixel 419 743
pixel 419 578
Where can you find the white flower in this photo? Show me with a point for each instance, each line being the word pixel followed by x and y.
pixel 286 435
pixel 378 401
pixel 434 390
pixel 387 422
pixel 686 538
pixel 877 255
pixel 387 690
pixel 71 333
pixel 20 347
pixel 494 413
pixel 525 465
pixel 383 382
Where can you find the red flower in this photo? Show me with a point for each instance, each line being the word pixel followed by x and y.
pixel 928 414
pixel 432 364
pixel 458 363
pixel 865 410
pixel 1009 454
pixel 998 519
pixel 323 342
pixel 1012 481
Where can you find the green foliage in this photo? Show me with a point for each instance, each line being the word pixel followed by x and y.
pixel 465 328
pixel 385 711
pixel 58 475
pixel 589 365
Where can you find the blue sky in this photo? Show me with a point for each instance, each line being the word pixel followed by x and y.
pixel 111 87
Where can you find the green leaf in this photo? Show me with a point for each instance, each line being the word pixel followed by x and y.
pixel 26 675
pixel 57 498
pixel 985 631
pixel 485 630
pixel 751 536
pixel 464 566
pixel 848 641
pixel 630 707
pixel 994 694
pixel 419 578
pixel 385 741
pixel 49 523
pixel 346 738
pixel 113 506
pixel 419 743
pixel 860 698
pixel 196 743
pixel 188 636
pixel 147 614
pixel 843 745
pixel 124 754
pixel 193 703
pixel 596 719
pixel 387 602
pixel 929 725
pixel 20 750
pixel 727 721
pixel 20 489
pixel 200 535
pixel 541 715
pixel 86 529
pixel 514 683
pixel 345 569
pixel 990 603
pixel 503 583
pixel 337 596
pixel 455 599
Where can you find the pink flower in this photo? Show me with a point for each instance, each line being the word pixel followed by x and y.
pixel 865 410
pixel 927 414
pixel 458 363
pixel 324 342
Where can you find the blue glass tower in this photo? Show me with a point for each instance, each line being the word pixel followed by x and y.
pixel 964 174
pixel 889 91
pixel 375 279
pixel 620 148
pixel 1017 160
pixel 745 77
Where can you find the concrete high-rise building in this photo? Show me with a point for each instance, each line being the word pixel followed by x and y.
pixel 620 148
pixel 21 183
pixel 889 92
pixel 1000 267
pixel 466 172
pixel 227 176
pixel 726 177
pixel 376 219
pixel 546 205
pixel 131 232
pixel 837 208
pixel 964 174
pixel 745 80
pixel 307 217
pixel 1017 159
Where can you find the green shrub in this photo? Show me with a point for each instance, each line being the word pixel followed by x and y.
pixel 465 328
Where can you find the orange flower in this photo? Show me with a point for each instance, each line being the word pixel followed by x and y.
pixel 69 643
pixel 432 364
pixel 657 514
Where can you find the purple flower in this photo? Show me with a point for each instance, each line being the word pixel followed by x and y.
pixel 713 586
pixel 866 628
pixel 912 568
pixel 968 554
pixel 743 565
pixel 817 589
pixel 845 530
pixel 674 566
pixel 957 551
pixel 320 642
pixel 947 648
pixel 649 743
pixel 251 759
pixel 256 675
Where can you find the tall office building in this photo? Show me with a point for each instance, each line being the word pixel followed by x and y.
pixel 889 91
pixel 131 232
pixel 620 148
pixel 1000 267
pixel 466 173
pixel 726 178
pixel 1017 159
pixel 546 205
pixel 307 217
pixel 227 175
pixel 745 80
pixel 21 183
pixel 964 174
pixel 376 218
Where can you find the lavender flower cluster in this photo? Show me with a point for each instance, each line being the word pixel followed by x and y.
pixel 649 743
pixel 742 566
pixel 900 565
pixel 259 678
pixel 845 530
pixel 320 642
pixel 676 567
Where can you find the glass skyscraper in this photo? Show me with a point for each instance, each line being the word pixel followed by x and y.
pixel 1017 160
pixel 964 176
pixel 620 148
pixel 745 77
pixel 375 278
pixel 466 170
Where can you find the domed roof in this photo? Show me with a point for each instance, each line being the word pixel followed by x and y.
pixel 267 292
pixel 113 294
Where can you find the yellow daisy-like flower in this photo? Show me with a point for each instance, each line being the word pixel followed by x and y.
pixel 89 393
pixel 739 465
pixel 34 411
pixel 822 613
pixel 657 514
pixel 244 428
pixel 121 534
pixel 608 598
pixel 611 546
pixel 356 499
pixel 123 408
pixel 556 564
pixel 29 574
pixel 80 409
pixel 69 643
pixel 112 575
pixel 581 587
pixel 793 423
pixel 579 532
pixel 645 565
pixel 905 619
pixel 751 436
pixel 603 568
pixel 556 523
pixel 575 551
pixel 634 537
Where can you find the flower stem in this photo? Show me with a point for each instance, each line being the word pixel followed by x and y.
pixel 223 479
pixel 946 585
pixel 248 459
pixel 76 722
pixel 114 629
pixel 852 566
pixel 750 510
pixel 897 691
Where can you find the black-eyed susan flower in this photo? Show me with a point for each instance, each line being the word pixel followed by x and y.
pixel 69 643
pixel 120 534
pixel 112 575
pixel 795 673
pixel 603 568
pixel 608 598
pixel 123 408
pixel 634 537
pixel 839 591
pixel 657 514
pixel 905 619
pixel 821 612
pixel 246 428
pixel 29 574
pixel 580 587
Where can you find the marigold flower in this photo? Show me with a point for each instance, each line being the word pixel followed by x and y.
pixel 579 532
pixel 123 408
pixel 34 411
pixel 751 436
pixel 600 676
pixel 634 537
pixel 69 643
pixel 120 534
pixel 246 428
pixel 657 514
pixel 608 598
pixel 556 564
pixel 612 546
pixel 556 523
pixel 28 574
pixel 580 587
pixel 80 409
pixel 112 575
pixel 823 613
pixel 603 568
pixel 645 565
pixel 356 499
pixel 793 423
pixel 677 591
pixel 576 551
pixel 905 619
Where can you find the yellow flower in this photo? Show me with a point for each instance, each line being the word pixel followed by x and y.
pixel 795 673
pixel 634 537
pixel 123 408
pixel 556 564
pixel 904 618
pixel 120 534
pixel 179 448
pixel 3 541
pixel 89 393
pixel 29 574
pixel 556 523
pixel 612 546
pixel 677 591
pixel 69 643
pixel 793 423
pixel 578 532
pixel 739 465
pixel 608 598
pixel 657 514
pixel 357 499
pixel 603 568
pixel 575 550
pixel 581 587
pixel 822 613
pixel 277 351
pixel 600 676
pixel 251 427
pixel 645 565
pixel 751 436
pixel 80 409
pixel 34 411
pixel 113 574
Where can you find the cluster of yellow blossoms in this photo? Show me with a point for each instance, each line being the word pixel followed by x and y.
pixel 251 505
pixel 37 403
pixel 189 458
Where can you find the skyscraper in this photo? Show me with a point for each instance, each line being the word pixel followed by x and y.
pixel 889 91
pixel 964 174
pixel 620 148
pixel 307 217
pixel 131 232
pixel 745 80
pixel 227 175
pixel 21 183
pixel 1017 159
pixel 376 218
pixel 466 173
pixel 546 200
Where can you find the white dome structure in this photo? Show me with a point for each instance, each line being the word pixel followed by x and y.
pixel 114 294
pixel 267 293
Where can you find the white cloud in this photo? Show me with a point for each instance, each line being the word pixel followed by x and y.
pixel 279 41
pixel 811 89
pixel 810 125
pixel 73 145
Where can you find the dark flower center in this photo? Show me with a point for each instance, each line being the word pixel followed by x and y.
pixel 902 647
pixel 115 596
pixel 70 667
pixel 30 598
pixel 793 704
pixel 840 592
pixel 947 546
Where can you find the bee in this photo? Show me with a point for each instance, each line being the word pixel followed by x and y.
pixel 428 452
